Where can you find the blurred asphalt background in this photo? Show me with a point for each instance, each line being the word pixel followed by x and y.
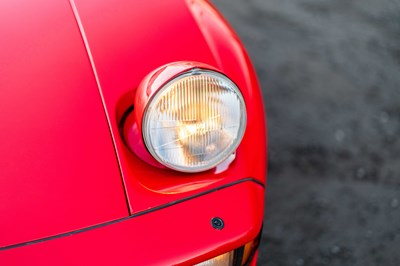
pixel 330 74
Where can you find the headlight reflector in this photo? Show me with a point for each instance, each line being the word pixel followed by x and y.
pixel 194 121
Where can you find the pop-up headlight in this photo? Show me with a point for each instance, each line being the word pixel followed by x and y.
pixel 194 121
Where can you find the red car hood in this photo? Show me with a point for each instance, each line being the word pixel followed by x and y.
pixel 58 168
pixel 67 73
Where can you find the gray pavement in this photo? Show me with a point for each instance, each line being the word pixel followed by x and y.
pixel 330 74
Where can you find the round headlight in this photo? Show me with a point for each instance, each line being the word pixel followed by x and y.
pixel 195 121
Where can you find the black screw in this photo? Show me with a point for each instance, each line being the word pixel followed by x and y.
pixel 217 223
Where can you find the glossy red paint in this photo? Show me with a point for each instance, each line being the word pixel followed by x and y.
pixel 169 236
pixel 68 73
pixel 58 170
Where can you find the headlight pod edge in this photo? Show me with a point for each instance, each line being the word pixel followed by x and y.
pixel 190 117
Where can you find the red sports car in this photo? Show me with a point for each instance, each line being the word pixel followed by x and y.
pixel 131 132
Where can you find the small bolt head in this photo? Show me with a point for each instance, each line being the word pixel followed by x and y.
pixel 217 223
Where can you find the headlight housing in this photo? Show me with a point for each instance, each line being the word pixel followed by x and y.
pixel 194 120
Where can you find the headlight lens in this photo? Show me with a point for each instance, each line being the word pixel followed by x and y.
pixel 195 121
pixel 222 260
pixel 238 257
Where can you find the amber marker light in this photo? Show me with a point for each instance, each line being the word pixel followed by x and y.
pixel 194 120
